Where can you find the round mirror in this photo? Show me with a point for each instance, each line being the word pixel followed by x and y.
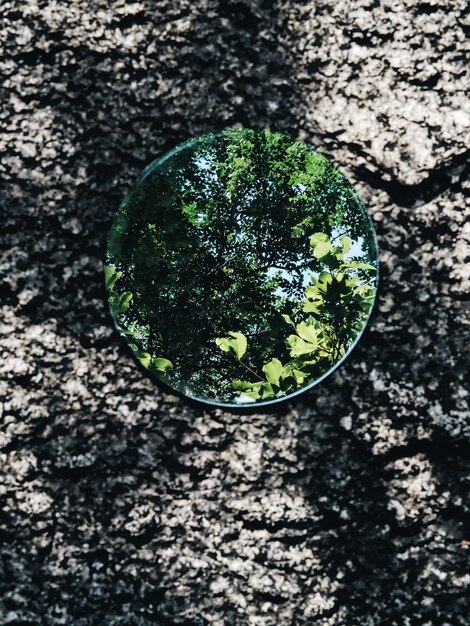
pixel 241 268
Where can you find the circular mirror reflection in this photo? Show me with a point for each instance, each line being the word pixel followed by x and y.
pixel 241 268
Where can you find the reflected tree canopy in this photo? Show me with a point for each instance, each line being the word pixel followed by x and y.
pixel 241 267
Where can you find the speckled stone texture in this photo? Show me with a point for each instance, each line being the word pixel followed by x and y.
pixel 121 505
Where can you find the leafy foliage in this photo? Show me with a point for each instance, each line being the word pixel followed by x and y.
pixel 236 344
pixel 338 301
pixel 213 242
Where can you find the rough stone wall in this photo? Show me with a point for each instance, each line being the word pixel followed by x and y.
pixel 121 505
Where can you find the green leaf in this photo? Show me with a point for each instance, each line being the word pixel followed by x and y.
pixel 120 304
pixel 239 345
pixel 361 266
pixel 193 214
pixel 299 347
pixel 317 238
pixel 162 365
pixel 325 277
pixel 125 301
pixel 311 307
pixel 144 357
pixel 111 276
pixel 288 319
pixel 299 376
pixel 307 332
pixel 346 243
pixel 241 385
pixel 312 292
pixel 267 391
pixel 273 371
pixel 236 343
pixel 322 249
pixel 223 344
pixel 253 391
pixel 109 270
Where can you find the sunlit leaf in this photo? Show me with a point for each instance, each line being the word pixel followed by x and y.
pixel 223 344
pixel 309 333
pixel 111 276
pixel 239 345
pixel 144 357
pixel 325 277
pixel 236 343
pixel 288 319
pixel 361 266
pixel 299 376
pixel 125 301
pixel 162 365
pixel 317 238
pixel 299 346
pixel 312 292
pixel 322 249
pixel 267 391
pixel 346 243
pixel 109 270
pixel 241 385
pixel 311 307
pixel 273 371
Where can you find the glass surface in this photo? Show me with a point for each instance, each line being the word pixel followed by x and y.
pixel 241 268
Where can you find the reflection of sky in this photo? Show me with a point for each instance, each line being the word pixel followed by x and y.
pixel 356 249
pixel 205 162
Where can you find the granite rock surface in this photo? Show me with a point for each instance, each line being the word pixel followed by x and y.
pixel 122 505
